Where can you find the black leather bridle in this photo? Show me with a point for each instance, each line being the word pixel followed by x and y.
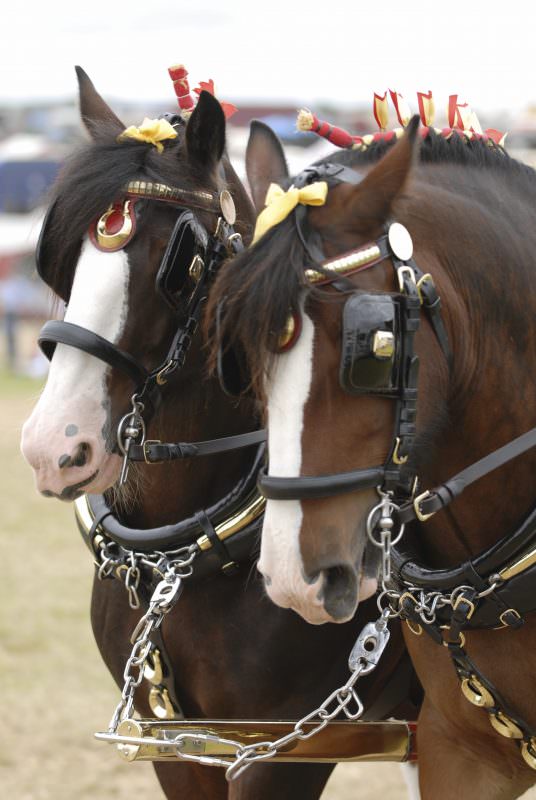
pixel 416 290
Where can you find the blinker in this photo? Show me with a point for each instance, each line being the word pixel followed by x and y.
pixel 368 357
pixel 290 333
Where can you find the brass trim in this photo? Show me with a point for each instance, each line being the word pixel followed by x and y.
pixel 228 527
pixel 130 728
pixel 83 514
pixel 344 264
pixel 195 269
pixel 527 560
pixel 477 694
pixel 337 742
pixel 173 194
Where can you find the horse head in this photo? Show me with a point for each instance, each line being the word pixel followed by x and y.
pixel 328 409
pixel 127 243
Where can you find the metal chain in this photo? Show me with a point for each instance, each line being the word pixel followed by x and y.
pixel 363 659
pixel 163 599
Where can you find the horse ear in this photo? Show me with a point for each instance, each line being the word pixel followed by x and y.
pixel 93 109
pixel 374 197
pixel 205 132
pixel 265 161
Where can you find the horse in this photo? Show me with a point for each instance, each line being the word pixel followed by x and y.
pixel 439 223
pixel 229 652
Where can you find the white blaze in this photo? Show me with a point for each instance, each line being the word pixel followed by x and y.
pixel 287 392
pixel 75 392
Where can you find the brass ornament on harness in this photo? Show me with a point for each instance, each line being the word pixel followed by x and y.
pixel 477 694
pixel 528 751
pixel 505 726
pixel 118 239
pixel 160 703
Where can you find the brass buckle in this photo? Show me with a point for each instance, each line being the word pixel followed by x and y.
pixel 146 443
pixel 408 272
pixel 423 279
pixel 463 599
pixel 161 376
pixel 421 516
pixel 505 624
pixel 395 458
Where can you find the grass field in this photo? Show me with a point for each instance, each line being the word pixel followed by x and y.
pixel 55 690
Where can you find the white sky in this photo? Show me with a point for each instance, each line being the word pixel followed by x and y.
pixel 279 49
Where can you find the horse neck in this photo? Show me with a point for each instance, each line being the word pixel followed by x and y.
pixel 484 275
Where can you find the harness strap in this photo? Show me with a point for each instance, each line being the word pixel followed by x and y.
pixel 228 565
pixel 434 500
pixel 60 332
pixel 317 486
pixel 153 452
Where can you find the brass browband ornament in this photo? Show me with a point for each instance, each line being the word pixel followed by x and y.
pixel 345 264
pixel 207 201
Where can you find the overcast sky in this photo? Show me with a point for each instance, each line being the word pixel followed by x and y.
pixel 278 49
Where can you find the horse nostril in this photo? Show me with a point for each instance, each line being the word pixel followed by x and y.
pixel 79 458
pixel 340 591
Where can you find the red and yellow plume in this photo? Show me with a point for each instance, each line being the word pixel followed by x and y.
pixel 403 111
pixel 208 86
pixel 426 108
pixel 380 109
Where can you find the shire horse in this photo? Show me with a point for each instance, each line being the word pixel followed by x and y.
pixel 231 653
pixel 455 218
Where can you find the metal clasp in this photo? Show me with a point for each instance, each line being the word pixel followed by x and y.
pixel 369 646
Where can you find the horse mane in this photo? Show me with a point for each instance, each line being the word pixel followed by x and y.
pixel 259 288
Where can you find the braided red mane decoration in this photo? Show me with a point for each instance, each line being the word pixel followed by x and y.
pixel 462 122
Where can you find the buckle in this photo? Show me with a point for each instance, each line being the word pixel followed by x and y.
pixel 426 278
pixel 421 516
pixel 463 599
pixel 146 444
pixel 405 272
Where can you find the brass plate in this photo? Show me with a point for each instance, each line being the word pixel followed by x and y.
pixel 338 741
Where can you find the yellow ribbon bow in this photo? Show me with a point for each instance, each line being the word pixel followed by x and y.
pixel 279 204
pixel 151 131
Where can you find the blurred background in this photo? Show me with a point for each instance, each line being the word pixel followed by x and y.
pixel 269 60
